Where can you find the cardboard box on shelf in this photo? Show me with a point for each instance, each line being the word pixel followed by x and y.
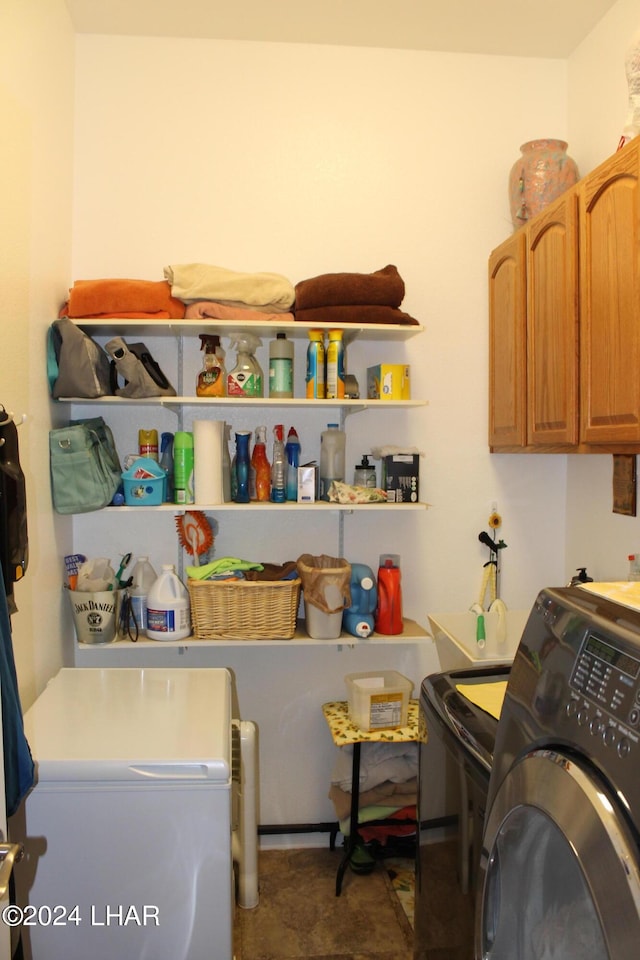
pixel 401 477
pixel 388 381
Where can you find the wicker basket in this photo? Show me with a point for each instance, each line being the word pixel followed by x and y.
pixel 244 609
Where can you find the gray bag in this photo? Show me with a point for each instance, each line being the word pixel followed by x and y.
pixel 76 365
pixel 142 374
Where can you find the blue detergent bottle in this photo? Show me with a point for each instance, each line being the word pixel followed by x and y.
pixel 359 618
pixel 292 450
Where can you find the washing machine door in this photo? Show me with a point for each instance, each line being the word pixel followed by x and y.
pixel 559 870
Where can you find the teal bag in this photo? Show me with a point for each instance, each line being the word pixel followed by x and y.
pixel 85 469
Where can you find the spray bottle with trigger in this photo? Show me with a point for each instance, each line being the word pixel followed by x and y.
pixel 246 379
pixel 211 381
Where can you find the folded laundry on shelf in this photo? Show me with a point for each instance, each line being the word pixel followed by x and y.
pixel 211 309
pixel 131 299
pixel 202 281
pixel 397 762
pixel 383 287
pixel 388 794
pixel 355 313
pixel 383 832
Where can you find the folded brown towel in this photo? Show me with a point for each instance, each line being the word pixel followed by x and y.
pixel 383 287
pixel 355 314
pixel 123 298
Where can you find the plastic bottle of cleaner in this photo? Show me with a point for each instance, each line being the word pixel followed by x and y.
pixel 148 443
pixel 315 366
pixel 168 607
pixel 292 451
pixel 359 619
pixel 281 367
pixel 166 462
pixel 365 473
pixel 332 450
pixel 227 492
pixel 278 466
pixel 334 386
pixel 389 613
pixel 260 475
pixel 211 381
pixel 183 467
pixel 242 466
pixel 246 380
pixel 144 577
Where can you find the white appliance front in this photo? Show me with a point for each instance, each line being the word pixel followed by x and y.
pixel 127 832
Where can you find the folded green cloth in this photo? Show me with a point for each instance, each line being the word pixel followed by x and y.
pixel 223 565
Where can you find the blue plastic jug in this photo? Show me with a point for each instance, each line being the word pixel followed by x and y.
pixel 359 619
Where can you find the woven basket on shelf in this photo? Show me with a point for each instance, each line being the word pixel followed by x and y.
pixel 244 609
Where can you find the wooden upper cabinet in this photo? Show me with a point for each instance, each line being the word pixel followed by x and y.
pixel 552 325
pixel 507 343
pixel 609 215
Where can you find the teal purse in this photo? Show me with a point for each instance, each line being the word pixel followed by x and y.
pixel 85 468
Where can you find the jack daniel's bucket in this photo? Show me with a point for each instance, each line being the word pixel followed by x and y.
pixel 95 615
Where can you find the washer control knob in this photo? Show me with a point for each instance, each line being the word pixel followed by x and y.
pixel 624 747
pixel 609 737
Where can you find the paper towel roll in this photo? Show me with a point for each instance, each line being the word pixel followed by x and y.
pixel 208 437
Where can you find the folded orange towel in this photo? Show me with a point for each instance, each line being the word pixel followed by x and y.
pixel 123 298
pixel 368 313
pixel 383 287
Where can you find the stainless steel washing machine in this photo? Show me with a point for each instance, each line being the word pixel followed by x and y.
pixel 446 867
pixel 559 875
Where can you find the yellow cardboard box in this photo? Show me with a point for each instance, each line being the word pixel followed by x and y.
pixel 388 381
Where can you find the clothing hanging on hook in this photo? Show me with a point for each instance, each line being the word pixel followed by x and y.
pixel 14 542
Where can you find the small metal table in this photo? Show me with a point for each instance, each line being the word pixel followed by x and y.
pixel 344 732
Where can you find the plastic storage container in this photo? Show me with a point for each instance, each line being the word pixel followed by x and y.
pixel 168 607
pixel 378 701
pixel 144 483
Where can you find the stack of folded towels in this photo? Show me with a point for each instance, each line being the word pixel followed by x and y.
pixel 222 294
pixel 189 291
pixel 388 788
pixel 352 298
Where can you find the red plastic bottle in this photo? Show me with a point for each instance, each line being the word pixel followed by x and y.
pixel 260 480
pixel 389 612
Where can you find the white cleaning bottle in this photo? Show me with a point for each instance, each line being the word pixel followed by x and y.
pixel 144 576
pixel 168 607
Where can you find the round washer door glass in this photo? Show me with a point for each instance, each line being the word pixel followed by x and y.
pixel 559 869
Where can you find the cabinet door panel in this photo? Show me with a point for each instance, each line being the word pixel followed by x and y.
pixel 609 297
pixel 552 325
pixel 507 343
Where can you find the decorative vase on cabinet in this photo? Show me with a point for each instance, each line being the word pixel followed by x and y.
pixel 541 174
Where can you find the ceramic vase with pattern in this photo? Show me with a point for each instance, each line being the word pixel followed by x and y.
pixel 541 174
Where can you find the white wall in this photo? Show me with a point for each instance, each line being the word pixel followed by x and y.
pixel 598 97
pixel 305 160
pixel 36 98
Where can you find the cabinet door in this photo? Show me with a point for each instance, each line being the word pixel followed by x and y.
pixel 507 343
pixel 552 325
pixel 609 215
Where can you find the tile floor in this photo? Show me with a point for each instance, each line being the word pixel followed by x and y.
pixel 299 914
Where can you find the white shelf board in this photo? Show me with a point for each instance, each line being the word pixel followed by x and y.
pixel 296 329
pixel 268 507
pixel 413 633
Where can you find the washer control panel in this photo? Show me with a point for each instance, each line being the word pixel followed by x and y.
pixel 606 694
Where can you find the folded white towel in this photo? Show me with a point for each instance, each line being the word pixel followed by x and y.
pixel 201 281
pixel 397 762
